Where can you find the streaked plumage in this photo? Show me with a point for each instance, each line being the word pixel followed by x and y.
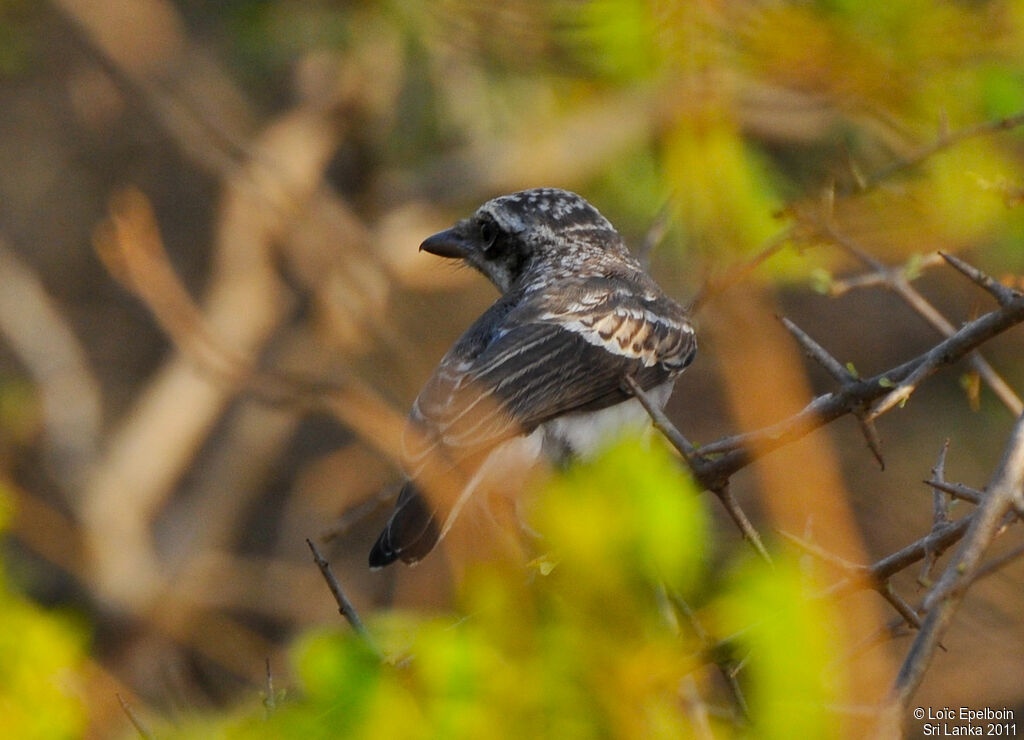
pixel 544 367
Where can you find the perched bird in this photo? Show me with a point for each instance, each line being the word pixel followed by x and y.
pixel 543 370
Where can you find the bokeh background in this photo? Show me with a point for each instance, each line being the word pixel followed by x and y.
pixel 288 157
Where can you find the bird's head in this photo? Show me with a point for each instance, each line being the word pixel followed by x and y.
pixel 533 237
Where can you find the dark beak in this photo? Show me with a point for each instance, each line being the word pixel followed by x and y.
pixel 449 243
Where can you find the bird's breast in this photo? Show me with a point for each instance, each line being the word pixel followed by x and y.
pixel 583 434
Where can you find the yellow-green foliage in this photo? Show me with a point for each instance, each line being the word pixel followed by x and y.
pixel 581 645
pixel 790 639
pixel 40 657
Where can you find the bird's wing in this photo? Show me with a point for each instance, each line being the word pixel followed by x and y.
pixel 528 359
pixel 569 350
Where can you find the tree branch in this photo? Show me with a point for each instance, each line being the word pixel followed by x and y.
pixel 722 458
pixel 943 601
pixel 897 280
pixel 692 457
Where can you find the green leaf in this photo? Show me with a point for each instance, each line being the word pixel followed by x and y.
pixel 821 281
pixel 913 266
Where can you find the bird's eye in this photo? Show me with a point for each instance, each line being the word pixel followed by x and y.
pixel 488 234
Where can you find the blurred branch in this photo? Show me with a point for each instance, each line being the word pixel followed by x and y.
pixel 857 574
pixel 45 343
pixel 714 287
pixel 345 607
pixel 133 718
pixel 943 141
pixel 271 194
pixel 131 246
pixel 47 531
pixel 274 197
pixel 724 662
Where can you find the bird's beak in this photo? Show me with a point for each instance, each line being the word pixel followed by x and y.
pixel 448 243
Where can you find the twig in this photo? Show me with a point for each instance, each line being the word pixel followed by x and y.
pixel 345 607
pixel 857 572
pixel 958 490
pixel 940 504
pixel 848 567
pixel 876 279
pixel 1000 292
pixel 945 140
pixel 897 280
pixel 943 601
pixel 816 352
pixel 714 288
pixel 695 708
pixel 136 722
pixel 904 609
pixel 750 534
pixel 661 422
pixel 45 343
pixel 843 376
pixel 726 666
pixel 998 563
pixel 724 457
pixel 655 233
pixel 269 700
pixel 937 541
pixel 940 511
pixel 691 456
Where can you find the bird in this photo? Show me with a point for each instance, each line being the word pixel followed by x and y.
pixel 542 372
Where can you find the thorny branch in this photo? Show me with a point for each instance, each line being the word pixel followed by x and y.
pixel 1002 501
pixel 662 423
pixel 722 458
pixel 897 280
pixel 1005 488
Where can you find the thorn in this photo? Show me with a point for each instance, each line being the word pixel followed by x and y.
pixel 940 498
pixel 958 490
pixel 818 353
pixel 1003 295
pixel 867 427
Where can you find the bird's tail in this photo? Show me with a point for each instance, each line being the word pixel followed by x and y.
pixel 410 533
